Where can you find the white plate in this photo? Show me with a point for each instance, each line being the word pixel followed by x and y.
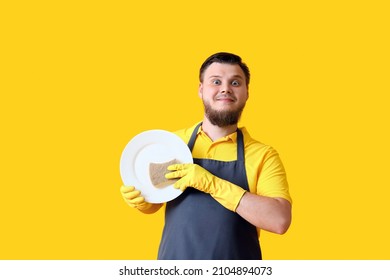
pixel 157 146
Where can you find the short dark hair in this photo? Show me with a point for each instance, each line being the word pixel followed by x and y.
pixel 228 58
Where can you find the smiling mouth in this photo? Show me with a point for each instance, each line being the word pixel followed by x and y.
pixel 226 99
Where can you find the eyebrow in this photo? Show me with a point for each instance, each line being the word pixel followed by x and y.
pixel 234 76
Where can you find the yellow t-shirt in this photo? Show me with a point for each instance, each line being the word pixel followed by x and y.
pixel 265 172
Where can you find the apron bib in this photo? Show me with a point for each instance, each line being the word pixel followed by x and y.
pixel 197 227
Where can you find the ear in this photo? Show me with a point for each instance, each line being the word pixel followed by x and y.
pixel 200 91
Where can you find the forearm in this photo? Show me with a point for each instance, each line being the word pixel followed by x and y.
pixel 271 214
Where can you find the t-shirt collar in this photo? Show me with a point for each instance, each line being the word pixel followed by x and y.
pixel 231 137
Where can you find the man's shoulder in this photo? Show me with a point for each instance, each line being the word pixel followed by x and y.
pixel 255 145
pixel 185 133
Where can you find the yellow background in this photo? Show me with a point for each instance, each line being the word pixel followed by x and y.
pixel 79 79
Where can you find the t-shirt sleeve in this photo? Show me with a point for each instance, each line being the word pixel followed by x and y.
pixel 272 179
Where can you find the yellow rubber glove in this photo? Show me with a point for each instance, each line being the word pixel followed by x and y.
pixel 134 199
pixel 193 175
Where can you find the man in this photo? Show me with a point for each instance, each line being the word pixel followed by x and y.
pixel 236 186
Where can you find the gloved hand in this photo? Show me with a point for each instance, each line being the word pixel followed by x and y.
pixel 193 175
pixel 134 199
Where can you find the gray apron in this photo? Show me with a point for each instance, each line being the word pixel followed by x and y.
pixel 197 227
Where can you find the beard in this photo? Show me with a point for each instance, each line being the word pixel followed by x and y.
pixel 222 118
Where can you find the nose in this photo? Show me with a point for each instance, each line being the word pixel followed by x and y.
pixel 225 88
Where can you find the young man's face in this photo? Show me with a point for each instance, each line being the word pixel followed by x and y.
pixel 224 93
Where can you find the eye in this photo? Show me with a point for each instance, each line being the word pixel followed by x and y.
pixel 216 82
pixel 235 83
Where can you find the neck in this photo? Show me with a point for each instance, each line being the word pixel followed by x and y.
pixel 215 132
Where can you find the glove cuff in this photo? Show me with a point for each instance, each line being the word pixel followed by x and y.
pixel 143 206
pixel 229 195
